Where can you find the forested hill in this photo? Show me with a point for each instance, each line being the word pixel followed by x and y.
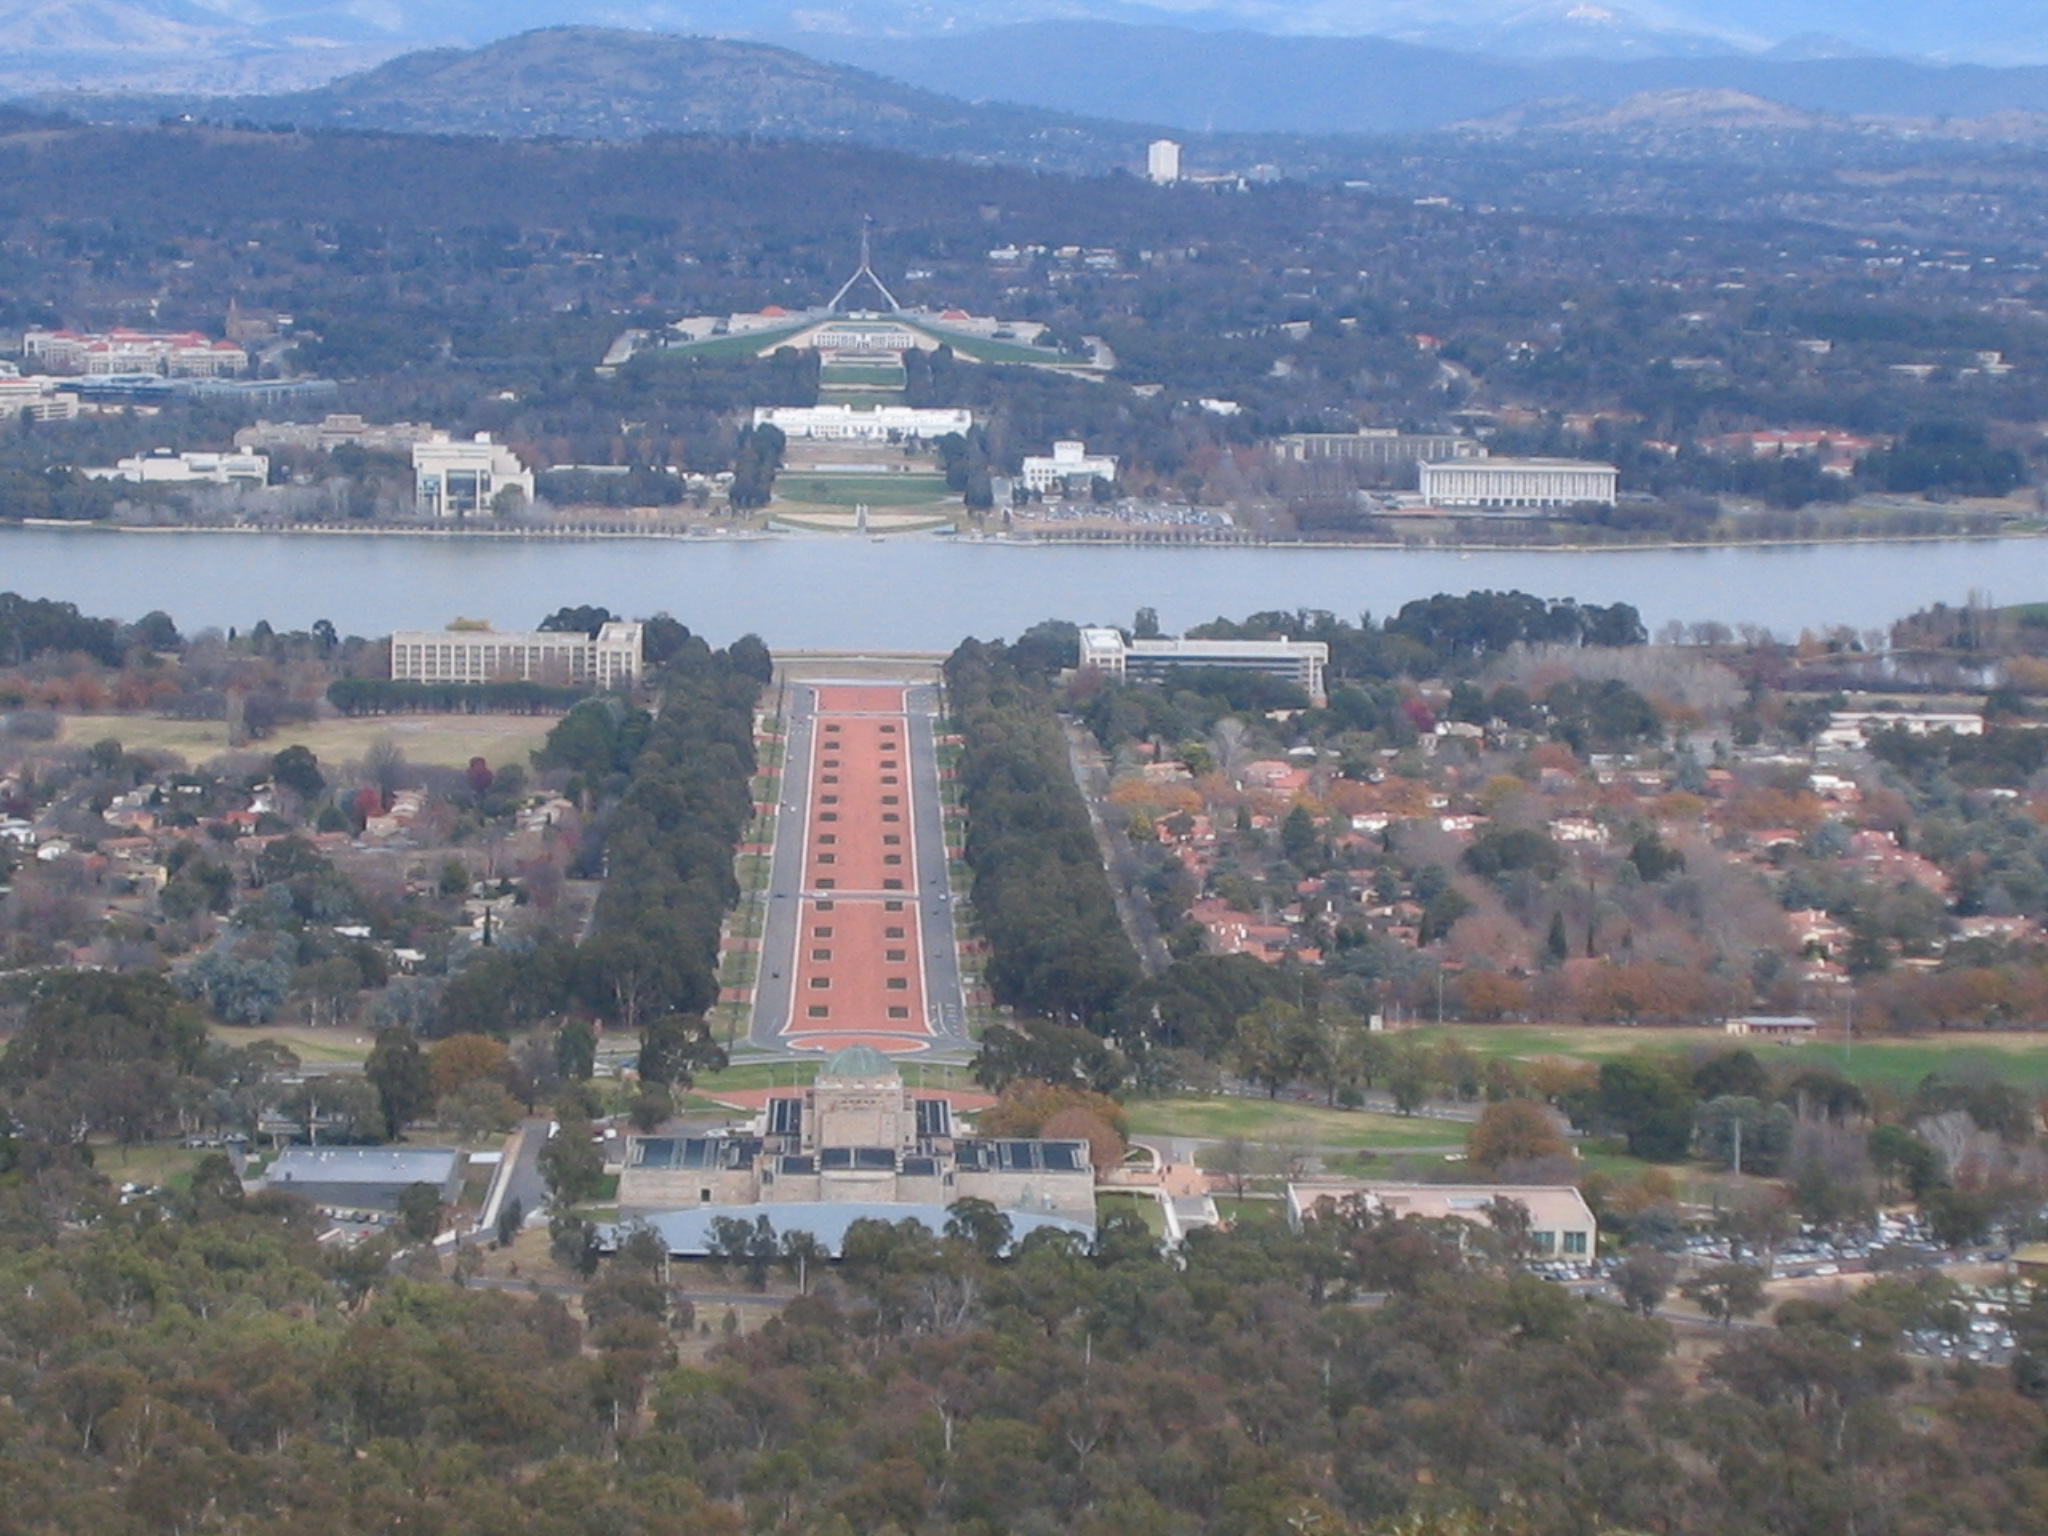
pixel 606 84
pixel 1073 96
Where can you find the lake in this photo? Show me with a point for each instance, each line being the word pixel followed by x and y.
pixel 923 593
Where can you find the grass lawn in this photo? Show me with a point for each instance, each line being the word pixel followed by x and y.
pixel 807 488
pixel 329 1046
pixel 1245 1212
pixel 1122 1203
pixel 1597 1155
pixel 154 1162
pixel 1898 1064
pixel 1269 1120
pixel 756 1074
pixel 989 349
pixel 887 375
pixel 445 741
pixel 748 345
pixel 698 1104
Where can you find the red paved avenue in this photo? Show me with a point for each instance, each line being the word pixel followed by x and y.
pixel 859 976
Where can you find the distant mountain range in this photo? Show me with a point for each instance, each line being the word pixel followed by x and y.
pixel 1245 82
pixel 87 37
pixel 1059 95
pixel 170 45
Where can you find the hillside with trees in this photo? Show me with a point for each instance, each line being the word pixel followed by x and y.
pixel 199 1363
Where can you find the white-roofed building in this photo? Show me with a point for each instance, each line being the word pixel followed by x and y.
pixel 163 467
pixel 863 423
pixel 1561 1224
pixel 1300 662
pixel 1068 461
pixel 362 1176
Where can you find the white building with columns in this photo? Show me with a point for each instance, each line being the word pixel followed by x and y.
pixel 862 423
pixel 1506 484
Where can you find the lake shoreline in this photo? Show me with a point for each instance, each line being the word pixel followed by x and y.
pixel 720 536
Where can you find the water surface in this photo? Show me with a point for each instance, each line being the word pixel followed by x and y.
pixel 925 593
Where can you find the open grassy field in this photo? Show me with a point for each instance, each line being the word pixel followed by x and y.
pixel 326 1047
pixel 1216 1119
pixel 801 488
pixel 1892 1063
pixel 863 376
pixel 443 741
pixel 155 1163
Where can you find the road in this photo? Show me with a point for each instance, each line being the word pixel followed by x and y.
pixel 861 778
pixel 779 929
pixel 525 1183
pixel 1126 875
pixel 947 1013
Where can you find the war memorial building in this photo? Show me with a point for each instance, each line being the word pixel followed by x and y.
pixel 857 1143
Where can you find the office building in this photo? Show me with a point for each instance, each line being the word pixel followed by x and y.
pixel 373 1177
pixel 1561 1224
pixel 176 354
pixel 1300 662
pixel 1162 161
pixel 476 653
pixel 1376 446
pixel 339 430
pixel 1067 463
pixel 35 398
